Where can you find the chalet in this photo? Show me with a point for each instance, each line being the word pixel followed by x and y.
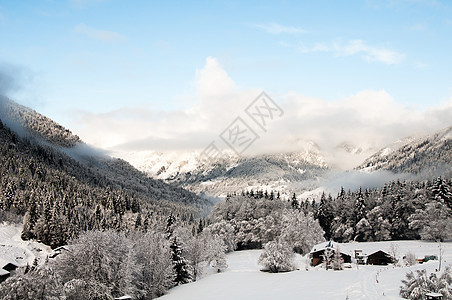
pixel 318 251
pixel 379 258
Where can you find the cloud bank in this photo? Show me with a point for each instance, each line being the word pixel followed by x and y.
pixel 363 122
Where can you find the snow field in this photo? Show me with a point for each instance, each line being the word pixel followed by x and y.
pixel 244 280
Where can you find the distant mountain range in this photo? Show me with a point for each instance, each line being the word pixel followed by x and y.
pixel 300 172
pixel 288 171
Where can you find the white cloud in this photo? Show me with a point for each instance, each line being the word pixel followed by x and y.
pixel 97 34
pixel 275 28
pixel 368 119
pixel 355 47
pixel 370 53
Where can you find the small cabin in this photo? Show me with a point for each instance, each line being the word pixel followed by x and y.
pixel 380 258
pixel 318 251
pixel 434 296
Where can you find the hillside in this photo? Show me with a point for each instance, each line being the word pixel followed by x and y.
pixel 425 156
pixel 30 122
pixel 62 191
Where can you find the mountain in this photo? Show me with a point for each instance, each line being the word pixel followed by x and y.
pixel 426 156
pixel 26 121
pixel 296 171
pixel 63 186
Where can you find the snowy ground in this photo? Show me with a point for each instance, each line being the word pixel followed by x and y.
pixel 14 249
pixel 243 280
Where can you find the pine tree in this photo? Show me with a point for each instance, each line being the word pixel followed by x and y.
pixel 170 223
pixel 138 221
pixel 180 264
pixel 359 207
pixel 30 219
pixel 442 192
pixel 325 215
pixel 294 203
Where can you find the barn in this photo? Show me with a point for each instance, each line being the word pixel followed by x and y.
pixel 318 251
pixel 379 258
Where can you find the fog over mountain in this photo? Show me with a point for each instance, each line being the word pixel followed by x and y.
pixel 347 129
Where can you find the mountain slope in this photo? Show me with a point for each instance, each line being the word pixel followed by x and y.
pixel 62 191
pixel 427 156
pixel 35 124
pixel 47 133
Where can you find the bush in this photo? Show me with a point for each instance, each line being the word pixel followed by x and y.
pixel 277 257
pixel 410 259
pixel 416 285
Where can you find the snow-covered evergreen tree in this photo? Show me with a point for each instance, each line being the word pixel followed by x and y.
pixel 180 264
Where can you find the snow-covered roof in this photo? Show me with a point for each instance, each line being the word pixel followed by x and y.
pixel 327 245
pixel 125 297
pixel 60 248
pixel 3 272
pixel 434 294
pixel 375 251
pixel 4 261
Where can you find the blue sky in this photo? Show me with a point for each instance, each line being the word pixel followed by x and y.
pixel 94 57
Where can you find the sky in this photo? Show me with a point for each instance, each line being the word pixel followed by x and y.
pixel 172 75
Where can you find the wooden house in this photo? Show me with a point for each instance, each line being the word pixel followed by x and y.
pixel 318 252
pixel 379 258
